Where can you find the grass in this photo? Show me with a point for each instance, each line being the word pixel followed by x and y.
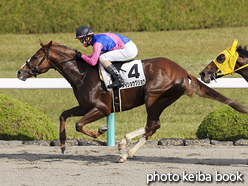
pixel 192 49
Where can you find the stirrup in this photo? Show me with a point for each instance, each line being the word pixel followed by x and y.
pixel 117 83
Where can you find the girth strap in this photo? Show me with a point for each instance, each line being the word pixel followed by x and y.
pixel 116 100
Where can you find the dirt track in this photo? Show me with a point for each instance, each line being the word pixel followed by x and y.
pixel 95 165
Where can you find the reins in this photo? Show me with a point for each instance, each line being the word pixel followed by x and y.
pixel 36 70
pixel 233 71
pixel 241 67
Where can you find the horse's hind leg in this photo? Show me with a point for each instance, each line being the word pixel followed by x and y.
pixel 154 109
pixel 149 131
pixel 130 136
pixel 131 152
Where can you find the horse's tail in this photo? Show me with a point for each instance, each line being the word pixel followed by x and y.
pixel 204 91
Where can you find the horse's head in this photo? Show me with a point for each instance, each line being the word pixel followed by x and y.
pixel 209 73
pixel 227 62
pixel 37 64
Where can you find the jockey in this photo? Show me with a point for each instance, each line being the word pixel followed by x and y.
pixel 114 47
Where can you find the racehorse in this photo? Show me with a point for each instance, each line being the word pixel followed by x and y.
pixel 227 62
pixel 166 81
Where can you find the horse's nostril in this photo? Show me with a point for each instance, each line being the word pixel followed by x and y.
pixel 18 73
pixel 202 74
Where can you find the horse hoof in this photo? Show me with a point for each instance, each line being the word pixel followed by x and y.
pixel 63 149
pixel 121 146
pixel 121 160
pixel 103 128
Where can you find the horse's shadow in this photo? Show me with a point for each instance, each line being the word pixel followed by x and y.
pixel 90 159
pixel 196 161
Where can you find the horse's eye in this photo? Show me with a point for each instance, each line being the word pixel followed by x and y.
pixel 35 57
pixel 221 58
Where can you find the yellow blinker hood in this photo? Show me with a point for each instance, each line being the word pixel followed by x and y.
pixel 231 56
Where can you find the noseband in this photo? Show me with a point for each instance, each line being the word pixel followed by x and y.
pixel 35 70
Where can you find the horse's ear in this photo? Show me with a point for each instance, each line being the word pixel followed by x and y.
pixel 49 44
pixel 41 43
pixel 234 46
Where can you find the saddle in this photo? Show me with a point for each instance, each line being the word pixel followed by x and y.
pixel 132 73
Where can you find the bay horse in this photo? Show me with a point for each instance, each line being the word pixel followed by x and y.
pixel 239 65
pixel 166 81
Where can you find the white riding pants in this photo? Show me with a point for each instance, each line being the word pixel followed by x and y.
pixel 128 52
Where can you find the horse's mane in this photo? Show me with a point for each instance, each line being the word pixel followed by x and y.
pixel 242 51
pixel 62 48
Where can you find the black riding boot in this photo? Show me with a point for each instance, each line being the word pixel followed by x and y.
pixel 118 81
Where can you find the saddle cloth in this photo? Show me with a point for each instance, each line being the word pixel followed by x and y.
pixel 132 73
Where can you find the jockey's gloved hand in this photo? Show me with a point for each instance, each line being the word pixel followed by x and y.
pixel 78 55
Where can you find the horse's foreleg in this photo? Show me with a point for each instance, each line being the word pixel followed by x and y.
pixel 76 111
pixel 91 116
pixel 130 136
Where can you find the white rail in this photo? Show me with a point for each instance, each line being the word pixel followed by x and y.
pixel 228 83
pixel 34 83
pixel 61 83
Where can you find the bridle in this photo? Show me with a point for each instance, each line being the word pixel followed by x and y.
pixel 35 70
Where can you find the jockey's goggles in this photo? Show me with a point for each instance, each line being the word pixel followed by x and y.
pixel 82 39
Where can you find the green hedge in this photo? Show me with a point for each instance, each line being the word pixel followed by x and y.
pixel 20 121
pixel 224 124
pixel 55 16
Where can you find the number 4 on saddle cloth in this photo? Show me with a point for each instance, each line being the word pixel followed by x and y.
pixel 133 75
